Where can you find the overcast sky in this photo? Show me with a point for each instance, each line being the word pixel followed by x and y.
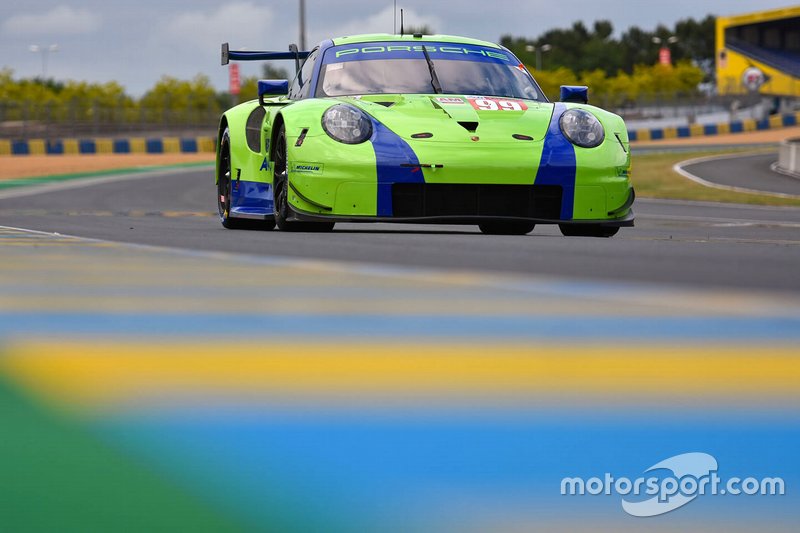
pixel 137 41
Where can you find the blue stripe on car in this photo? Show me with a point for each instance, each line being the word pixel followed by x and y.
pixel 391 151
pixel 250 197
pixel 557 166
pixel 323 47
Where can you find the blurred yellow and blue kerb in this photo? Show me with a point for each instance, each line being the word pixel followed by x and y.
pixel 128 145
pixel 367 398
pixel 705 130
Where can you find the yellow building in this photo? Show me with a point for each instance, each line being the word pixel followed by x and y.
pixel 759 52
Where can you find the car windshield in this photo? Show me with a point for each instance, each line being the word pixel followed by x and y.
pixel 460 70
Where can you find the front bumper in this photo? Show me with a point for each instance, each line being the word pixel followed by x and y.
pixel 626 220
pixel 432 203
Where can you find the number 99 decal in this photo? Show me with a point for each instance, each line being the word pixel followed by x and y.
pixel 497 104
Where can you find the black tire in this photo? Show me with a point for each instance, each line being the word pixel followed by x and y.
pixel 224 186
pixel 280 189
pixel 506 227
pixel 587 230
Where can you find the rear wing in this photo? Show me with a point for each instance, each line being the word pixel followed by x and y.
pixel 253 55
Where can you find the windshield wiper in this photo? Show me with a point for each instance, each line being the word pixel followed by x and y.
pixel 437 87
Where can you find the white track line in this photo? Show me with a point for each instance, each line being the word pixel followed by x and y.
pixel 678 167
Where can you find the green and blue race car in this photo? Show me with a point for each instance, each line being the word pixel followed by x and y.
pixel 419 129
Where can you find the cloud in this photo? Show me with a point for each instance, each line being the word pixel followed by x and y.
pixel 60 20
pixel 243 24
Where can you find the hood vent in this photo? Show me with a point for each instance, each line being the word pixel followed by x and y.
pixel 385 104
pixel 469 126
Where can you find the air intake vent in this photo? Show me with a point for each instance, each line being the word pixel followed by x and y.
pixel 386 104
pixel 469 126
pixel 468 200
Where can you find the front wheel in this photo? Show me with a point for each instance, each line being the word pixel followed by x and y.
pixel 587 230
pixel 506 227
pixel 224 189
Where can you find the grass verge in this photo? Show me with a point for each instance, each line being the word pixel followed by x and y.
pixel 653 177
pixel 58 476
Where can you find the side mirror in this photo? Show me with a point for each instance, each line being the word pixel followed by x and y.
pixel 577 94
pixel 272 88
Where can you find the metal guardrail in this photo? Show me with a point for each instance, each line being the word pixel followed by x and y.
pixel 667 105
pixel 789 157
pixel 33 120
pixel 28 120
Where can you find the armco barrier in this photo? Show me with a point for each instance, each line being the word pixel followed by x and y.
pixel 133 145
pixel 789 157
pixel 702 130
pixel 190 145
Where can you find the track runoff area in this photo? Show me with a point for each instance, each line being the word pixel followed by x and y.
pixel 177 374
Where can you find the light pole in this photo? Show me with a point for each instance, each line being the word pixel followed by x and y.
pixel 44 50
pixel 538 50
pixel 302 24
pixel 672 40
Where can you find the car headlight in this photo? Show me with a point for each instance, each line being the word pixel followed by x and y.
pixel 582 128
pixel 347 124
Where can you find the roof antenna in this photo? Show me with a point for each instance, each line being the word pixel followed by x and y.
pixel 401 23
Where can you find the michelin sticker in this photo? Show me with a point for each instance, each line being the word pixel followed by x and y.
pixel 307 168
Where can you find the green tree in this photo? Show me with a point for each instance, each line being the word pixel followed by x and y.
pixel 271 72
pixel 248 89
pixel 30 99
pixel 637 48
pixel 603 29
pixel 174 99
pixel 646 81
pixel 85 101
pixel 551 81
pixel 581 49
pixel 697 41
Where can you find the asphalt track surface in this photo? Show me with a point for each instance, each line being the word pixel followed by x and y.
pixel 746 171
pixel 695 244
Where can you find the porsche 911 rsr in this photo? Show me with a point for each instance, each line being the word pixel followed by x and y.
pixel 422 129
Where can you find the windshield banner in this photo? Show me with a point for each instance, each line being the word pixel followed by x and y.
pixel 399 50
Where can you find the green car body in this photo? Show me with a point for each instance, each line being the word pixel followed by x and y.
pixel 500 160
